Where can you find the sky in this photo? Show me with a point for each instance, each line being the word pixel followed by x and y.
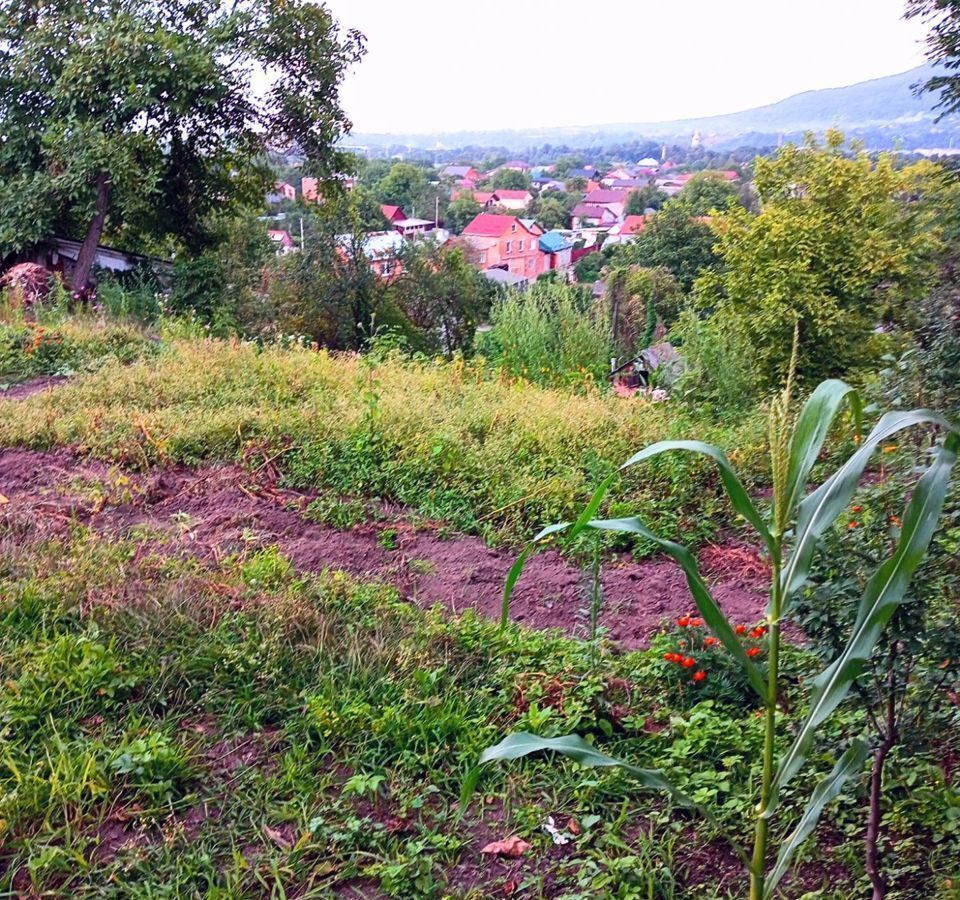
pixel 449 65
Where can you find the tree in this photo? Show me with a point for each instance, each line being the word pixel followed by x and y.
pixel 642 199
pixel 588 267
pixel 139 119
pixel 552 210
pixel 943 47
pixel 708 191
pixel 840 246
pixel 510 180
pixel 405 185
pixel 675 240
pixel 639 301
pixel 442 296
pixel 461 212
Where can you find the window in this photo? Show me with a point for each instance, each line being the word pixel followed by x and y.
pixel 508 246
pixel 387 268
pixel 483 256
pixel 520 246
pixel 513 227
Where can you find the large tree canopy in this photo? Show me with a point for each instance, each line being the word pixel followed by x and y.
pixel 842 244
pixel 143 118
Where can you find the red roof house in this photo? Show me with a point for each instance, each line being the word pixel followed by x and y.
pixel 393 213
pixel 513 200
pixel 504 242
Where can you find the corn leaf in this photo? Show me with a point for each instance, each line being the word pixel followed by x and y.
pixel 811 431
pixel 820 508
pixel 517 568
pixel 711 612
pixel 883 594
pixel 848 766
pixel 576 748
pixel 738 496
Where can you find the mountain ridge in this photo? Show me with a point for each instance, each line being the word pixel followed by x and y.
pixel 885 108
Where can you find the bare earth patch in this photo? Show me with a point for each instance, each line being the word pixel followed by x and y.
pixel 31 386
pixel 220 509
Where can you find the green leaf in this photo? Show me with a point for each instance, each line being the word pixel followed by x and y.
pixel 848 766
pixel 819 510
pixel 738 496
pixel 883 594
pixel 711 612
pixel 574 747
pixel 517 568
pixel 811 431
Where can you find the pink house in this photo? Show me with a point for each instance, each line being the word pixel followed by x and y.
pixel 515 201
pixel 393 214
pixel 282 241
pixel 504 242
pixel 285 190
pixel 310 189
pixel 615 201
pixel 593 215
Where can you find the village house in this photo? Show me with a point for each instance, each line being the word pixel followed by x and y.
pixel 515 201
pixel 626 231
pixel 412 228
pixel 381 248
pixel 484 198
pixel 516 165
pixel 393 214
pixel 282 190
pixel 281 240
pixel 615 201
pixel 593 215
pixel 460 173
pixel 504 242
pixel 310 189
pixel 558 250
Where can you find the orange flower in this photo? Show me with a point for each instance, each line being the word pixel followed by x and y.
pixel 741 629
pixel 688 662
pixel 696 623
pixel 710 641
pixel 895 520
pixel 683 621
pixel 853 525
pixel 889 448
pixel 699 675
pixel 754 651
pixel 758 632
pixel 856 508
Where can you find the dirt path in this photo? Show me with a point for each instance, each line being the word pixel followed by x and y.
pixel 25 389
pixel 215 510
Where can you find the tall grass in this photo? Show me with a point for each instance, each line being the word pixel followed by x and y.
pixel 457 441
pixel 551 335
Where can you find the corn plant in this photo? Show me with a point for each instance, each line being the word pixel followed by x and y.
pixel 790 534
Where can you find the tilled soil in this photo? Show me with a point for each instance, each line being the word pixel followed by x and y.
pixel 215 510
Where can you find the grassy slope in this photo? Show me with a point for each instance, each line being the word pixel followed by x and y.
pixel 454 441
pixel 172 731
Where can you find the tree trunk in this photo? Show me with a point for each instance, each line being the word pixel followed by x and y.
pixel 887 743
pixel 88 250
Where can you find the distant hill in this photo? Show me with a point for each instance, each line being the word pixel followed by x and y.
pixel 884 112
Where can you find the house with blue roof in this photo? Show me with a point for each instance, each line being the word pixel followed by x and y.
pixel 558 250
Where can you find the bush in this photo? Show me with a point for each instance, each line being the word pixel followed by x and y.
pixel 552 335
pixel 719 369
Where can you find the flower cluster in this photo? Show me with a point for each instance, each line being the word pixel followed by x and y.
pixel 699 652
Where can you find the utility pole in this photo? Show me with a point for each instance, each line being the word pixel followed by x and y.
pixel 302 246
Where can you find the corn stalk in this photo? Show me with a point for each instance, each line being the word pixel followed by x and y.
pixel 790 534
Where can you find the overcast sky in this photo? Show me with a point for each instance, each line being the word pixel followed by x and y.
pixel 449 65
